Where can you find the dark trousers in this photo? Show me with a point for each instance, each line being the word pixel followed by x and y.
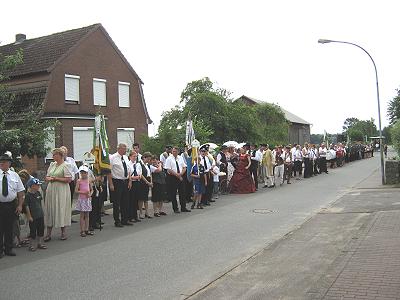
pixel 174 185
pixel 133 200
pixel 206 197
pixel 298 167
pixel 307 168
pixel 72 189
pixel 287 172
pixel 95 214
pixel 188 189
pixel 36 228
pixel 7 219
pixel 322 164
pixel 254 171
pixel 316 166
pixel 119 198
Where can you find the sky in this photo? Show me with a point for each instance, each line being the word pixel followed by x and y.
pixel 263 49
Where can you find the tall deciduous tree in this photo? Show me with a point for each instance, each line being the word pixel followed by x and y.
pixel 393 110
pixel 357 129
pixel 216 118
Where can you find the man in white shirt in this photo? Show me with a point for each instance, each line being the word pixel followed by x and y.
pixel 11 188
pixel 165 154
pixel 207 163
pixel 322 159
pixel 118 181
pixel 73 169
pixel 298 162
pixel 288 162
pixel 136 148
pixel 256 158
pixel 176 169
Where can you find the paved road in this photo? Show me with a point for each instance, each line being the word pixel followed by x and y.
pixel 172 257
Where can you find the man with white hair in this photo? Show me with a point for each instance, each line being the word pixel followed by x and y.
pixel 118 181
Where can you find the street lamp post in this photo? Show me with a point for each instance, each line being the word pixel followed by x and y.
pixel 323 41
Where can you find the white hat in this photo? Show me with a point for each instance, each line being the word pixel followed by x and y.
pixel 84 169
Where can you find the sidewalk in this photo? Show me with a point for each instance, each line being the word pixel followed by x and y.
pixel 350 250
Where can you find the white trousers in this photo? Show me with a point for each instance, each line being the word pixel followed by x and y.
pixel 279 170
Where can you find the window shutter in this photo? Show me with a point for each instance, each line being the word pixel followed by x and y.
pixel 99 92
pixel 123 92
pixel 126 136
pixel 72 88
pixel 82 140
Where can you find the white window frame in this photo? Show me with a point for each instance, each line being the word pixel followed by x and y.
pixel 98 80
pixel 69 76
pixel 129 145
pixel 124 84
pixel 79 156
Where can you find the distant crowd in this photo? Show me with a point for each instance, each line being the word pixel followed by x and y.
pixel 196 176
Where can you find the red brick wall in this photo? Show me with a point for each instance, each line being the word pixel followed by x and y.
pixel 96 58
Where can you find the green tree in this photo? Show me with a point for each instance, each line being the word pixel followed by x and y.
pixel 355 135
pixel 393 110
pixel 273 127
pixel 216 118
pixel 27 136
pixel 349 122
pixel 395 132
pixel 354 126
pixel 387 133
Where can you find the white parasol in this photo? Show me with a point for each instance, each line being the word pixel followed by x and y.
pixel 231 144
pixel 212 146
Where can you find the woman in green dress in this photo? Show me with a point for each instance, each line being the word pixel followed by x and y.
pixel 58 195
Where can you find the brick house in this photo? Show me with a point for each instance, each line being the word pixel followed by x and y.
pixel 73 74
pixel 299 129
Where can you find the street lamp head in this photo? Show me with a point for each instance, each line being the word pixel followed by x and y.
pixel 323 41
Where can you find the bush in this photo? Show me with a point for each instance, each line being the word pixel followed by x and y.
pixel 395 132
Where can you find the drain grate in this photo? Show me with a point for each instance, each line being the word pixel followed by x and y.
pixel 263 211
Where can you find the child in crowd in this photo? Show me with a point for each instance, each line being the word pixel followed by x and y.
pixel 84 203
pixel 35 215
pixel 199 184
pixel 215 172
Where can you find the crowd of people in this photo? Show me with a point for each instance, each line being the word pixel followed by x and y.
pixel 196 176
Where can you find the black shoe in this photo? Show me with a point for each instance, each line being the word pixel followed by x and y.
pixel 138 220
pixel 208 204
pixel 157 215
pixel 126 223
pixel 185 210
pixel 192 206
pixel 271 186
pixel 73 221
pixel 177 211
pixel 147 216
pixel 162 213
pixel 265 186
pixel 118 225
pixel 10 253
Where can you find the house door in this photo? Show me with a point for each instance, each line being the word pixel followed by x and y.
pixel 82 141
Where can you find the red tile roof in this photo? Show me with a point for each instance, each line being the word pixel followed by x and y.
pixel 39 54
